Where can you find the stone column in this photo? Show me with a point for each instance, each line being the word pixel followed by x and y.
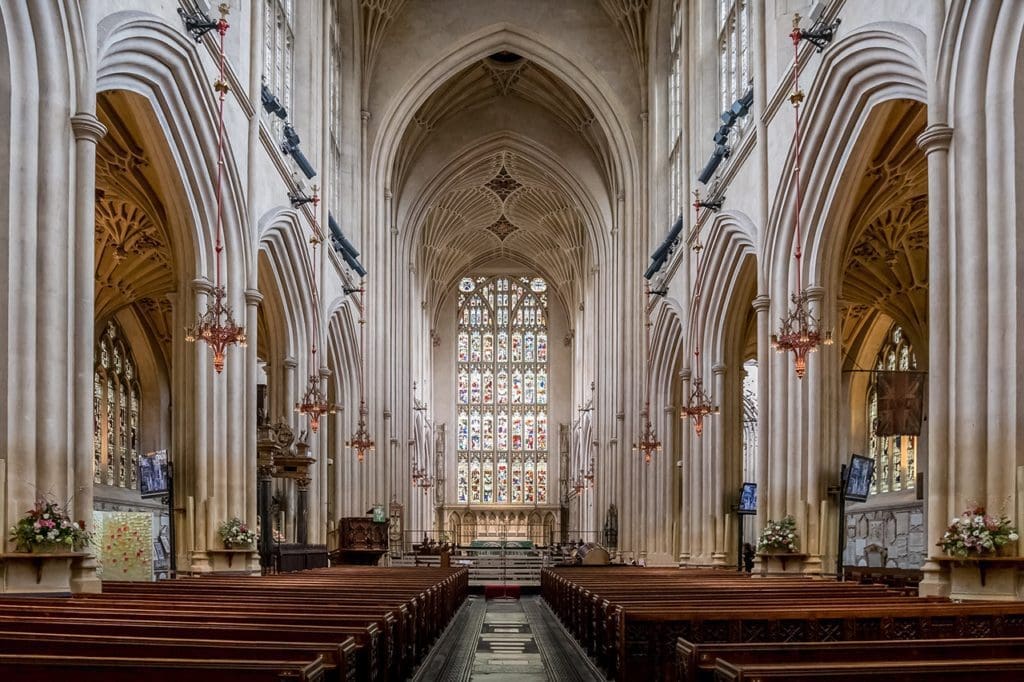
pixel 935 141
pixel 285 486
pixel 762 304
pixel 253 298
pixel 199 390
pixel 685 477
pixel 719 553
pixel 87 130
pixel 820 373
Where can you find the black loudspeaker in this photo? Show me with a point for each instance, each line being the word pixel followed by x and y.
pixel 919 485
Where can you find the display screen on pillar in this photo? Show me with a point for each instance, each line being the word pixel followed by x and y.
pixel 748 499
pixel 858 478
pixel 153 475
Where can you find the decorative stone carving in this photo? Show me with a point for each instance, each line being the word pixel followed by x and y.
pixel 502 228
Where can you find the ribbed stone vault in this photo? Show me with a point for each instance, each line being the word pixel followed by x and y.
pixel 886 258
pixel 503 206
pixel 492 80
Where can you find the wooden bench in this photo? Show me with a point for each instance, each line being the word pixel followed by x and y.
pixel 344 624
pixel 126 669
pixel 696 662
pixel 990 670
pixel 631 626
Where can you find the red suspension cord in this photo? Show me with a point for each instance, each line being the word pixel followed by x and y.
pixel 222 88
pixel 796 98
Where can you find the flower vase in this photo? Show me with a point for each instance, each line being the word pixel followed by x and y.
pixel 1008 549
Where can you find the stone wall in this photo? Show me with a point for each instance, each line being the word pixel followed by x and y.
pixel 900 530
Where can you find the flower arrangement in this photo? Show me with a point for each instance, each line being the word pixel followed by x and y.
pixel 47 527
pixel 778 536
pixel 975 532
pixel 236 533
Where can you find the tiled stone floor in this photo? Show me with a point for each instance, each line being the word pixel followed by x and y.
pixel 506 649
pixel 499 641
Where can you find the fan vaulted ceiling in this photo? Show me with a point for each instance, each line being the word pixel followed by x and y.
pixel 492 80
pixel 503 206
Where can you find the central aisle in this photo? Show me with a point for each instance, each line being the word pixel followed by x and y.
pixel 497 640
pixel 507 646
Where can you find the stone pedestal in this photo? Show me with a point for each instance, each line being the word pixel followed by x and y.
pixel 240 561
pixel 24 573
pixel 989 578
pixel 781 563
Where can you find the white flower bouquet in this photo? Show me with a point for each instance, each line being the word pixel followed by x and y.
pixel 779 536
pixel 235 533
pixel 974 532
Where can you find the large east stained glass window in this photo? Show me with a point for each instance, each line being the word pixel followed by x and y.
pixel 502 391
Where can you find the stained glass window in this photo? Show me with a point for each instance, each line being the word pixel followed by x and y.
pixel 502 390
pixel 116 410
pixel 895 456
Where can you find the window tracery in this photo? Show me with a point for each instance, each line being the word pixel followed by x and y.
pixel 895 456
pixel 733 53
pixel 675 113
pixel 279 54
pixel 502 391
pixel 116 410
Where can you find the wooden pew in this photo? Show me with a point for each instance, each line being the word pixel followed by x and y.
pixel 990 670
pixel 335 661
pixel 697 661
pixel 631 625
pixel 126 669
pixel 366 624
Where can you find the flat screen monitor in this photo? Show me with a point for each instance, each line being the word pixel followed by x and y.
pixel 858 478
pixel 153 478
pixel 748 499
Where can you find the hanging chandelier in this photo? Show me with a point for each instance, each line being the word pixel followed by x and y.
pixel 588 475
pixel 800 331
pixel 420 479
pixel 216 327
pixel 698 403
pixel 360 441
pixel 424 482
pixel 314 403
pixel 648 443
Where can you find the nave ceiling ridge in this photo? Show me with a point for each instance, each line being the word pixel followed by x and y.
pixel 514 213
pixel 488 82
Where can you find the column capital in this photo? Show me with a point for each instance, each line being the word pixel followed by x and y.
pixel 761 303
pixel 325 373
pixel 935 138
pixel 718 369
pixel 815 293
pixel 253 297
pixel 201 285
pixel 290 363
pixel 685 374
pixel 86 126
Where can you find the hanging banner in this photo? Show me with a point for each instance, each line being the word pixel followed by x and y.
pixel 900 403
